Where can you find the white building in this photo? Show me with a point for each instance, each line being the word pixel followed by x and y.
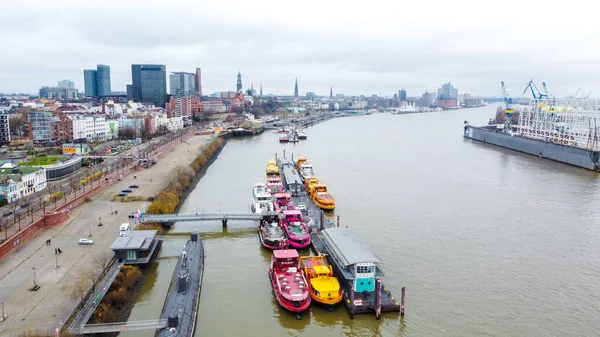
pixel 175 123
pixel 32 182
pixel 79 126
pixel 95 128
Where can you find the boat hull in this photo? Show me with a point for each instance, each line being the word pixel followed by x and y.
pixel 575 156
pixel 295 306
pixel 299 244
pixel 324 206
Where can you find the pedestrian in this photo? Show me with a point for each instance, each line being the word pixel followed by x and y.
pixel 59 251
pixel 49 242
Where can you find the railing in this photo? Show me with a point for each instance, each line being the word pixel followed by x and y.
pixel 204 217
pixel 121 326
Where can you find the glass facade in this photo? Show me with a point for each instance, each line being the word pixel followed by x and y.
pixel 182 84
pixel 89 83
pixel 149 83
pixel 103 80
pixel 40 125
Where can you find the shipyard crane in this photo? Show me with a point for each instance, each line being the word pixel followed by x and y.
pixel 536 93
pixel 508 110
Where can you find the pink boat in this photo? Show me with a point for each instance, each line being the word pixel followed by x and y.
pixel 297 232
pixel 289 284
pixel 274 185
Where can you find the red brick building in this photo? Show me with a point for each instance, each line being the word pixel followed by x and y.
pixel 183 107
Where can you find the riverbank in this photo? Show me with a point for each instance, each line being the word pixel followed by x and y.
pixel 49 307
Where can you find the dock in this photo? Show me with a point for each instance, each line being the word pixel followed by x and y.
pixel 352 260
pixel 181 305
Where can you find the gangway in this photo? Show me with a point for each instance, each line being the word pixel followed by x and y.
pixel 224 217
pixel 94 300
pixel 121 326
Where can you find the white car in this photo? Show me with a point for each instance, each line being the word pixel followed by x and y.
pixel 86 241
pixel 302 208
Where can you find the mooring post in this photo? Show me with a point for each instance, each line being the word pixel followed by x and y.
pixel 377 298
pixel 224 221
pixel 402 301
pixel 338 221
pixel 283 153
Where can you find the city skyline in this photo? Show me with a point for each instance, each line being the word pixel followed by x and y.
pixel 396 50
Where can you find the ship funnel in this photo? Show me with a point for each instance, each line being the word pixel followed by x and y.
pixel 183 279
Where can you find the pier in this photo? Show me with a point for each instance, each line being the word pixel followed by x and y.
pixel 223 217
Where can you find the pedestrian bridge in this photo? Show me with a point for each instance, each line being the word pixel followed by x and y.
pixel 224 217
pixel 122 326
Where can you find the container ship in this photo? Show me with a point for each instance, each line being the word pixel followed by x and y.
pixel 563 130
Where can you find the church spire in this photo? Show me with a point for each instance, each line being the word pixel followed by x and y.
pixel 296 88
pixel 239 82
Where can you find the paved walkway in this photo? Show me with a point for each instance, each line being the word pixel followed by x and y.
pixel 61 288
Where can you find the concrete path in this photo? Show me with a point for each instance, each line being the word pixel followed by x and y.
pixel 62 288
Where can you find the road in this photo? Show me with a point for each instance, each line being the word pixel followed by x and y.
pixel 62 287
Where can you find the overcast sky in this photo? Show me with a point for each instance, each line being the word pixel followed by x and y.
pixel 358 47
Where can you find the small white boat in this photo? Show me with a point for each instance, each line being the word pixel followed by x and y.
pixel 262 201
pixel 306 171
pixel 301 135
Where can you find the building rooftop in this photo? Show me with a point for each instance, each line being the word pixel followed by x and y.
pixel 347 247
pixel 134 240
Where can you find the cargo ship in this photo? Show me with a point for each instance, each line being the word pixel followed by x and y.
pixel 563 130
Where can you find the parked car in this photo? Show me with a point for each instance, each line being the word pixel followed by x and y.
pixel 134 186
pixel 303 209
pixel 126 191
pixel 7 213
pixel 122 194
pixel 86 241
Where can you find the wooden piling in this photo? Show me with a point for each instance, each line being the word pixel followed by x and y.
pixel 378 287
pixel 402 301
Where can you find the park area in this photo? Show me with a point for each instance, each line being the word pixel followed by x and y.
pixel 42 161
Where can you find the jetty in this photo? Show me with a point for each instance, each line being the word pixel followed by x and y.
pixel 355 265
pixel 181 305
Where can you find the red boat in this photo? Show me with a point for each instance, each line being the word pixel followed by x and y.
pixel 283 138
pixel 283 201
pixel 272 235
pixel 289 284
pixel 274 185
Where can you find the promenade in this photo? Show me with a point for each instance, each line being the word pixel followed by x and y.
pixel 62 288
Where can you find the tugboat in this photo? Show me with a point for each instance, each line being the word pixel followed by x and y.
pixel 301 135
pixel 324 288
pixel 283 138
pixel 306 171
pixel 274 185
pixel 296 230
pixel 289 285
pixel 271 235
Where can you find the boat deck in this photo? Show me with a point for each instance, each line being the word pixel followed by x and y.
pixel 181 305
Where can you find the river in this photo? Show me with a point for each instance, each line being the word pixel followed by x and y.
pixel 487 241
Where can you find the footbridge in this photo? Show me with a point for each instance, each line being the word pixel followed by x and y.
pixel 121 326
pixel 223 217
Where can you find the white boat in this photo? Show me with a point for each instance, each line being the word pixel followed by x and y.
pixel 262 201
pixel 306 171
pixel 293 136
pixel 301 135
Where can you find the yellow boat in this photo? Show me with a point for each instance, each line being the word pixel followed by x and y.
pixel 272 168
pixel 323 286
pixel 300 161
pixel 323 199
pixel 309 182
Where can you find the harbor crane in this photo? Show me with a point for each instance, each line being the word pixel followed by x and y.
pixel 536 93
pixel 508 109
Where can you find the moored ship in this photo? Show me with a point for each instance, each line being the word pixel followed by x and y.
pixel 323 286
pixel 272 168
pixel 323 199
pixel 262 201
pixel 289 285
pixel 271 235
pixel 296 230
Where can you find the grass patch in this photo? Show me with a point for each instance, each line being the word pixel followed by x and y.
pixel 151 226
pixel 40 161
pixel 128 198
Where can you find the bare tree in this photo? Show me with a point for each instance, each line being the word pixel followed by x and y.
pixel 102 260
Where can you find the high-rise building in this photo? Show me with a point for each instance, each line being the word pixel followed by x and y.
pixel 296 88
pixel 239 83
pixel 129 91
pixel 261 90
pixel 4 128
pixel 182 84
pixel 402 95
pixel 89 83
pixel 58 93
pixel 149 83
pixel 331 92
pixel 39 126
pixel 66 84
pixel 198 82
pixel 103 80
pixel 447 91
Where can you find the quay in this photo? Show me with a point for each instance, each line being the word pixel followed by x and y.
pixel 355 265
pixel 181 305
